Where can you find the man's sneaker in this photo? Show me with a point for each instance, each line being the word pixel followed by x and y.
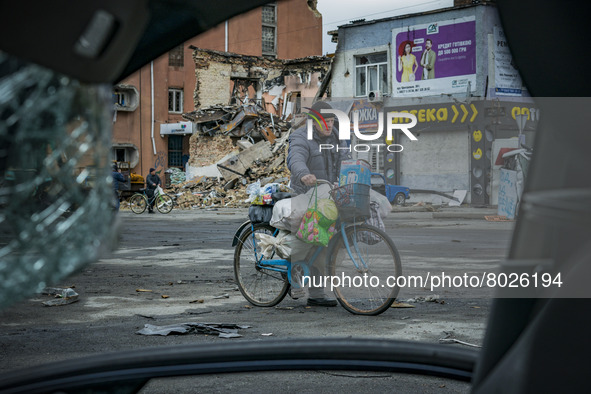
pixel 321 302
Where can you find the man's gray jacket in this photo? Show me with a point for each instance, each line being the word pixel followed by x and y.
pixel 304 157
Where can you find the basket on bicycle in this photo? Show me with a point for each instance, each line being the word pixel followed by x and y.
pixel 352 200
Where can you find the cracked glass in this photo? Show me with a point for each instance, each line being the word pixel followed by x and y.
pixel 56 195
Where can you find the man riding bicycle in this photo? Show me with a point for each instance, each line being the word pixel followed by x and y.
pixel 152 182
pixel 308 164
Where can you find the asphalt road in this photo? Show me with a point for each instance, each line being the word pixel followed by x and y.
pixel 184 260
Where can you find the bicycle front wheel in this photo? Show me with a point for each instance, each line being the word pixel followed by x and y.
pixel 138 203
pixel 260 286
pixel 164 203
pixel 366 285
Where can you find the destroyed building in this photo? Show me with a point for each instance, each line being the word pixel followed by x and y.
pixel 246 106
pixel 263 95
pixel 148 128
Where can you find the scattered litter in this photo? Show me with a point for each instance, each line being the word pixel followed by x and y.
pixel 144 316
pixel 397 304
pixel 196 311
pixel 55 290
pixel 222 296
pixel 67 296
pixel 498 218
pixel 165 296
pixel 431 298
pixel 248 306
pixel 267 335
pixel 405 318
pixel 475 307
pixel 199 301
pixel 284 308
pixel 448 338
pixel 455 240
pixel 143 290
pixel 222 330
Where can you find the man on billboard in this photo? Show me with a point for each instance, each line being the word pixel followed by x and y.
pixel 428 60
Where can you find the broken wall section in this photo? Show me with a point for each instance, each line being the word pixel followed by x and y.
pixel 229 78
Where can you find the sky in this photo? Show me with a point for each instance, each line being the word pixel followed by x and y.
pixel 341 12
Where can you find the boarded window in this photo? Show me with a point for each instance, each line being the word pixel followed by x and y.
pixel 176 57
pixel 269 30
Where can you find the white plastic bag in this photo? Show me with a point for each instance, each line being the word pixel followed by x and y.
pixel 288 213
pixel 281 244
pixel 384 206
pixel 281 213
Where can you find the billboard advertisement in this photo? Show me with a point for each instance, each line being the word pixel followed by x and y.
pixel 507 78
pixel 434 58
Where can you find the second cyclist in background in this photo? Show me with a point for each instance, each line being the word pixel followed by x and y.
pixel 152 181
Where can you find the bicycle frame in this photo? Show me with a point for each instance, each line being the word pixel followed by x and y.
pixel 284 265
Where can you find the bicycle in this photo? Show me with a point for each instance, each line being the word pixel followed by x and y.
pixel 139 201
pixel 357 251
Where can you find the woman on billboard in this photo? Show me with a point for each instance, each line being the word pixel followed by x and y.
pixel 407 62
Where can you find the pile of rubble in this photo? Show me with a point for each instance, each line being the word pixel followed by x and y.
pixel 241 121
pixel 230 191
pixel 233 146
pixel 225 157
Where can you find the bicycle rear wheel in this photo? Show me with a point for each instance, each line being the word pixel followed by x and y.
pixel 364 287
pixel 138 203
pixel 260 286
pixel 164 203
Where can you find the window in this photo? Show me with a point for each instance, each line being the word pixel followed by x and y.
pixel 371 73
pixel 175 151
pixel 125 97
pixel 175 100
pixel 120 154
pixel 176 57
pixel 125 153
pixel 270 29
pixel 120 98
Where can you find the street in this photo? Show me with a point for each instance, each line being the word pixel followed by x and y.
pixel 177 268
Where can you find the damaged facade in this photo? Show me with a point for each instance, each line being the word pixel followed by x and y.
pixel 263 94
pixel 148 127
pixel 244 140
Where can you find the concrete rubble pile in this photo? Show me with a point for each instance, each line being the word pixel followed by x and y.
pixel 226 157
pixel 248 121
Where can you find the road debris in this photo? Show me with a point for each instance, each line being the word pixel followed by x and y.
pixel 199 301
pixel 449 338
pixel 431 298
pixel 67 296
pixel 143 290
pixel 498 218
pixel 222 330
pixel 221 296
pixel 397 304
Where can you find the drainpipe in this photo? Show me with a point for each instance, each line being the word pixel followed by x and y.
pixel 152 101
pixel 226 41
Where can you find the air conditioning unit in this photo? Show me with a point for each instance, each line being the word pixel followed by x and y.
pixel 375 96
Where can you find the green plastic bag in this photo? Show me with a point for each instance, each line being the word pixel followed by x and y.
pixel 315 227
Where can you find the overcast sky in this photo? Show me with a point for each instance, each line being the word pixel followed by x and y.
pixel 341 12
